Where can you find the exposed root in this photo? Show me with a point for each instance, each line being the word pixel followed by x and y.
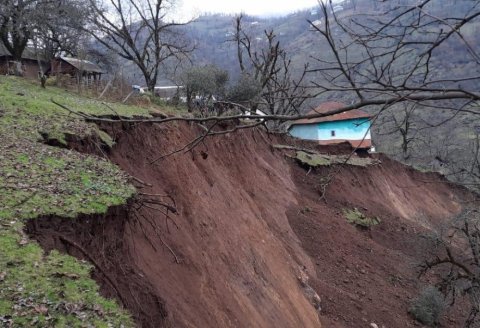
pixel 157 232
pixel 141 181
pixel 154 202
pixel 95 263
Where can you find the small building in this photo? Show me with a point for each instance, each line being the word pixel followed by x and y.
pixel 82 69
pixel 168 91
pixel 336 9
pixel 351 126
pixel 31 65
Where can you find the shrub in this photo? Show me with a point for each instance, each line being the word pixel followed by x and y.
pixel 51 81
pixel 428 307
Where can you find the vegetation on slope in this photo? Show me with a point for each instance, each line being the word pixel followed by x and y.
pixel 434 136
pixel 355 217
pixel 314 160
pixel 36 179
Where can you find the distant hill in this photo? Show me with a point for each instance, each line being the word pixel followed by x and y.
pixel 432 147
pixel 211 34
pixel 447 147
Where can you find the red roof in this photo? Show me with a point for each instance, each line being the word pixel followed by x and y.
pixel 331 106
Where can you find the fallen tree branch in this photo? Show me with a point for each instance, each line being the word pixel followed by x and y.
pixel 283 118
pixel 188 146
pixel 192 144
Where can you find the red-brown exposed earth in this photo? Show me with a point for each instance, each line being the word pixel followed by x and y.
pixel 256 244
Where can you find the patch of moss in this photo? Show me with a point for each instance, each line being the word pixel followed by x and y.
pixel 355 217
pixel 316 159
pixel 48 180
pixel 105 138
pixel 313 160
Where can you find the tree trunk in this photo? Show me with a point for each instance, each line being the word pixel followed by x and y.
pixel 150 84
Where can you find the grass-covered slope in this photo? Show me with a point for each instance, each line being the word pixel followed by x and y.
pixel 37 289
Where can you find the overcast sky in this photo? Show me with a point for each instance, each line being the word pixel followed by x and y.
pixel 251 7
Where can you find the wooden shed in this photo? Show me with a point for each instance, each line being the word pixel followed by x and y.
pixel 32 65
pixel 81 69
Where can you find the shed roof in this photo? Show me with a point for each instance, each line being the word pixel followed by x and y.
pixel 83 64
pixel 3 50
pixel 28 53
pixel 328 107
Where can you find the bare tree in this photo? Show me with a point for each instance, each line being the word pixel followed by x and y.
pixel 457 263
pixel 462 162
pixel 401 120
pixel 269 65
pixel 139 31
pixel 53 26
pixel 399 54
pixel 380 60
pixel 17 24
pixel 61 30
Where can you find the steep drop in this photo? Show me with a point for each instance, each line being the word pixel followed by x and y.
pixel 252 244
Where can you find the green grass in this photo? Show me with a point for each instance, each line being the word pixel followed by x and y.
pixel 28 109
pixel 47 180
pixel 27 95
pixel 52 290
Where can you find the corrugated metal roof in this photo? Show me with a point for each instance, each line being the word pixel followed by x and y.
pixel 328 107
pixel 83 65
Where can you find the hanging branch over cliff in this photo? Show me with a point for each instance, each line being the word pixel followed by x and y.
pixel 361 104
pixel 399 54
pixel 375 60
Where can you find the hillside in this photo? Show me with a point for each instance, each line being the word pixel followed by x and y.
pixel 37 289
pixel 439 138
pixel 234 233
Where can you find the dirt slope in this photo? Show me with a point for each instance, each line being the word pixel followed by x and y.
pixel 253 236
pixel 369 276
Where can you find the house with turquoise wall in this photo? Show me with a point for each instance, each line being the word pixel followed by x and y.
pixel 352 126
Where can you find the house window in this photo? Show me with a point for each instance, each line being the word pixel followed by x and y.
pixel 332 133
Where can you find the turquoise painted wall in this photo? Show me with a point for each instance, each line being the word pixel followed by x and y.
pixel 305 131
pixel 354 129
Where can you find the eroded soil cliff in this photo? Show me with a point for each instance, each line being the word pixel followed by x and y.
pixel 253 243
